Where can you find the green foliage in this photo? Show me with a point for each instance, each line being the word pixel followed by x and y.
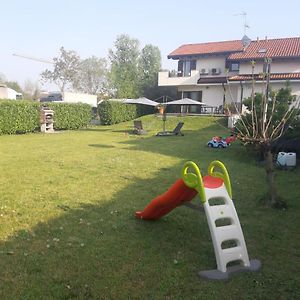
pixel 149 66
pixel 65 70
pixel 14 85
pixel 18 116
pixel 124 67
pixel 113 112
pixel 283 98
pixel 24 116
pixel 70 115
pixel 92 76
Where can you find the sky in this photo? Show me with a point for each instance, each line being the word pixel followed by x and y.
pixel 39 28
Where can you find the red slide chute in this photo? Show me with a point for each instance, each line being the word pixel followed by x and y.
pixel 163 204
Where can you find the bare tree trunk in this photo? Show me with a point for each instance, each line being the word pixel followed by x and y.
pixel 272 192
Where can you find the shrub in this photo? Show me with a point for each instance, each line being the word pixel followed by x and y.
pixel 19 116
pixel 113 112
pixel 70 115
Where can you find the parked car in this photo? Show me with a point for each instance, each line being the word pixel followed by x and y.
pixel 217 144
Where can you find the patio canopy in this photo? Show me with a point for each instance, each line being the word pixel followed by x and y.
pixel 184 101
pixel 142 100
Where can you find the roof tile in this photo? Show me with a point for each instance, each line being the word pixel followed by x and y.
pixel 207 48
pixel 258 49
pixel 259 77
pixel 272 48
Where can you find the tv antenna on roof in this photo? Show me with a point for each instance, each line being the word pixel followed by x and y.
pixel 245 25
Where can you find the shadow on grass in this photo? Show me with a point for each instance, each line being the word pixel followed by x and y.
pixel 100 251
pixel 96 128
pixel 101 146
pixel 103 252
pixel 193 146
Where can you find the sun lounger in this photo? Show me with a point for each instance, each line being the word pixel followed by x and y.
pixel 138 128
pixel 176 131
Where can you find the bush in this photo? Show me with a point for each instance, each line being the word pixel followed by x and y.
pixel 19 116
pixel 70 115
pixel 24 116
pixel 113 112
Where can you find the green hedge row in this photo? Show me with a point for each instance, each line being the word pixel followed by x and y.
pixel 113 112
pixel 18 116
pixel 70 115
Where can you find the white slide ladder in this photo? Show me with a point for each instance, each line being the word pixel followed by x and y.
pixel 224 225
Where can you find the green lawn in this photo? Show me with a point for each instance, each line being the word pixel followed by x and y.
pixel 68 228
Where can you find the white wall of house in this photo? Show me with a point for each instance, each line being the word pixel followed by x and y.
pixel 276 67
pixel 165 80
pixel 259 87
pixel 212 62
pixel 8 93
pixel 212 95
pixel 3 92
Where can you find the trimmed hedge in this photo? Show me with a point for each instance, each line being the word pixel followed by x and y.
pixel 113 112
pixel 19 116
pixel 70 115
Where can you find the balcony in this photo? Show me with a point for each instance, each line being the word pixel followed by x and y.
pixel 165 78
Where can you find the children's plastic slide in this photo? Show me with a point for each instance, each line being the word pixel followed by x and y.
pixel 215 194
pixel 163 204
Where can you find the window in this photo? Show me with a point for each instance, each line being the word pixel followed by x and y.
pixel 234 66
pixel 197 96
pixel 185 67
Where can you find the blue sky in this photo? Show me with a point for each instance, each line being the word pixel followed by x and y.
pixel 90 27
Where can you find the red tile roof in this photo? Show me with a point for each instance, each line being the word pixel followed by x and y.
pixel 273 48
pixel 207 48
pixel 279 76
pixel 215 79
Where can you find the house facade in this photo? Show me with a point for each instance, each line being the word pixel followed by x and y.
pixel 220 73
pixel 8 93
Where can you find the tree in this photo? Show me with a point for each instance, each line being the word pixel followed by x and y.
pixel 92 76
pixel 31 90
pixel 270 115
pixel 14 85
pixel 124 67
pixel 65 70
pixel 149 66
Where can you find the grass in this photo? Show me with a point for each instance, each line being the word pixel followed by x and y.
pixel 68 228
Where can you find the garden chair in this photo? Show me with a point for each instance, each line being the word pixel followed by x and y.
pixel 176 131
pixel 138 128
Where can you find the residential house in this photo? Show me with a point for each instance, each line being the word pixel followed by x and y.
pixel 221 72
pixel 8 93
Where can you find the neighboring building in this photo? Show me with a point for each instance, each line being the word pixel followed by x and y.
pixel 221 72
pixel 69 98
pixel 8 93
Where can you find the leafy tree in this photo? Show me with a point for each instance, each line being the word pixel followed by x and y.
pixel 65 69
pixel 92 76
pixel 270 115
pixel 31 90
pixel 14 85
pixel 149 66
pixel 124 67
